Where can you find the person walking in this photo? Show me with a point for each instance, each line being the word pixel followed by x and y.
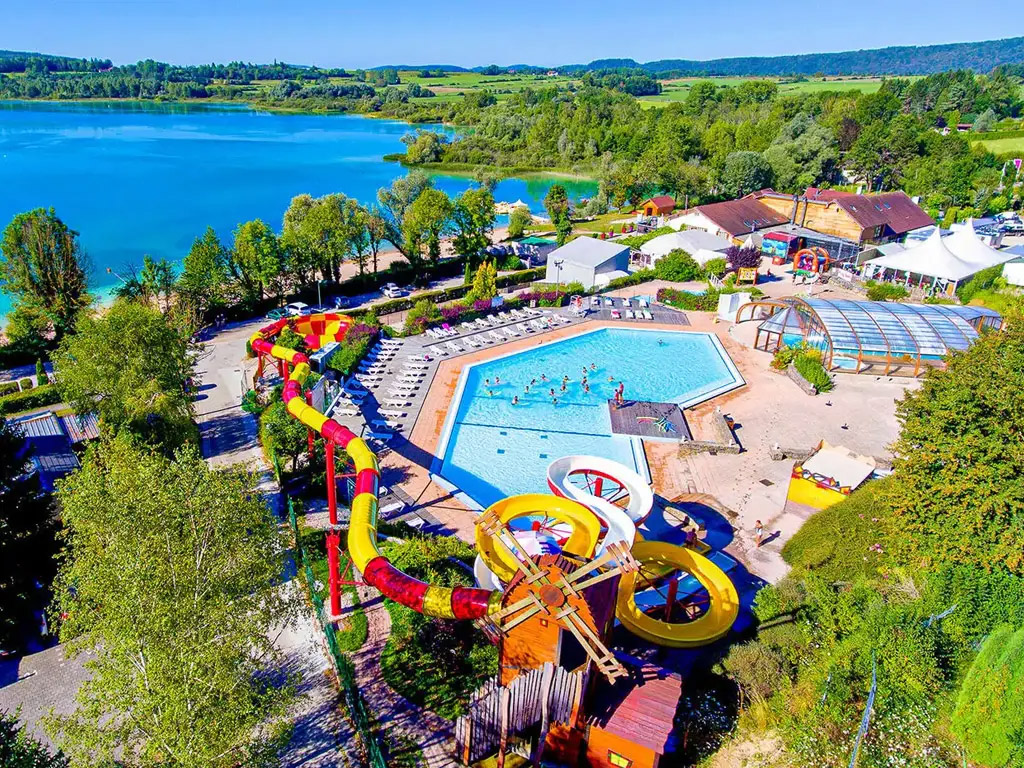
pixel 758 533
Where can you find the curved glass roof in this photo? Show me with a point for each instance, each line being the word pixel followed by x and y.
pixel 884 328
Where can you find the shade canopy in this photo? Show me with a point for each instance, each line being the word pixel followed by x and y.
pixel 953 258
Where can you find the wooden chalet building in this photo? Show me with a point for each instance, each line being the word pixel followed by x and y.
pixel 878 218
pixel 661 205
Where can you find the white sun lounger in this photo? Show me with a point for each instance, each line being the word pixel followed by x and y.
pixel 609 303
pixel 643 302
pixel 391 342
pixel 524 328
pixel 362 378
pixel 629 314
pixel 437 349
pixel 414 366
pixel 467 327
pixel 493 320
pixel 495 336
pixel 538 325
pixel 471 341
pixel 419 358
pixel 397 402
pixel 432 333
pixel 454 347
pixel 482 324
pixel 511 332
pixel 647 315
pixel 392 414
pixel 399 387
pixel 346 412
pixel 595 301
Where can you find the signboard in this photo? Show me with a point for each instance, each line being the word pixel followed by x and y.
pixel 1016 163
pixel 746 275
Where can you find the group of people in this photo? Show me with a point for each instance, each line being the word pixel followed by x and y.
pixel 535 385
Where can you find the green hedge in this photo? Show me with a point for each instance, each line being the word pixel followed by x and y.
pixel 989 135
pixel 47 394
pixel 451 294
pixel 814 372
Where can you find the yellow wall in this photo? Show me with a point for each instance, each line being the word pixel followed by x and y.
pixel 827 218
pixel 810 493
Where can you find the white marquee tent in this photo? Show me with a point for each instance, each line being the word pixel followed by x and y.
pixel 940 262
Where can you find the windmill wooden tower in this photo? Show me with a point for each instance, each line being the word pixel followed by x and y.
pixel 552 634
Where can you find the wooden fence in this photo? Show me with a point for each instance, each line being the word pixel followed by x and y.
pixel 540 697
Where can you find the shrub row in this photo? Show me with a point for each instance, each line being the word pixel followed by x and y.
pixel 705 302
pixel 813 371
pixel 453 293
pixel 38 397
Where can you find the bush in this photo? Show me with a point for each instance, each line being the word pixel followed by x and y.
pixel 705 302
pixel 6 387
pixel 635 241
pixel 678 267
pixel 885 291
pixel 715 267
pixel 980 281
pixel 38 397
pixel 26 383
pixel 814 372
pixel 838 543
pixel 989 715
pixel 742 258
pixel 41 377
pixel 423 314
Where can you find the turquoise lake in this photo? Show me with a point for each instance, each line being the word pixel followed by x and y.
pixel 138 178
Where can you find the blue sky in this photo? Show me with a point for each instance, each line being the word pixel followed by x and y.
pixel 471 32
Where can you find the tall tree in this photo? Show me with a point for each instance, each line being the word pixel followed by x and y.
pixel 159 279
pixel 27 540
pixel 556 202
pixel 19 750
pixel 395 200
pixel 376 232
pixel 44 271
pixel 745 172
pixel 256 259
pixel 473 217
pixel 131 366
pixel 170 580
pixel 203 280
pixel 957 488
pixel 425 222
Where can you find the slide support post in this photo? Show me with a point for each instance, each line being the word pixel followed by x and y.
pixel 673 592
pixel 333 545
pixel 310 435
pixel 332 485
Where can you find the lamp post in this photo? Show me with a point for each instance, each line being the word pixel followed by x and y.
pixel 558 273
pixel 319 302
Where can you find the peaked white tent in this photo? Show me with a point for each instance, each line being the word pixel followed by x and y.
pixel 939 261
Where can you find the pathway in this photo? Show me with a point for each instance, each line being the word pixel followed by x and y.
pixel 392 711
pixel 322 737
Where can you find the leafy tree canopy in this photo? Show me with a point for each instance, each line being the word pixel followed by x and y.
pixel 170 580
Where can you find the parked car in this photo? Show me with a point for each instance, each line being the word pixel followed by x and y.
pixel 341 302
pixel 392 291
pixel 297 308
pixel 277 314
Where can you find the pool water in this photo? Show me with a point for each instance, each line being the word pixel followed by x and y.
pixel 491 448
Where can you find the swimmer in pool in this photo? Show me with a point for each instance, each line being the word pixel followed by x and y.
pixel 490 393
pixel 515 399
pixel 611 379
pixel 487 382
pixel 543 377
pixel 497 379
pixel 526 389
pixel 551 392
pixel 593 366
pixel 563 386
pixel 532 382
pixel 554 401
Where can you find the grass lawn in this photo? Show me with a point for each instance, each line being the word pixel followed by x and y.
pixel 678 89
pixel 603 223
pixel 1012 145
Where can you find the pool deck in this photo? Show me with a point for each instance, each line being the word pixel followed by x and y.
pixel 767 410
pixel 638 418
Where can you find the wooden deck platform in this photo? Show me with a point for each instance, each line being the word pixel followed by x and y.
pixel 640 418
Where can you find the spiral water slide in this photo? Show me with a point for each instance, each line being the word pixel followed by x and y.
pixel 657 558
pixel 377 570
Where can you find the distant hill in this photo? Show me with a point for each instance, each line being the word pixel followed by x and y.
pixel 408 67
pixel 896 60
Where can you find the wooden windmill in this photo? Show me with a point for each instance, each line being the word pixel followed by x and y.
pixel 551 595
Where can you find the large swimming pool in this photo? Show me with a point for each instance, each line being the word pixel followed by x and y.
pixel 492 448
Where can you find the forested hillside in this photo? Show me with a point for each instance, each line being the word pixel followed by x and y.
pixel 896 60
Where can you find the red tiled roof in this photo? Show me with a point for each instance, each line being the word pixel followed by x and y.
pixel 640 708
pixel 893 209
pixel 743 216
pixel 662 201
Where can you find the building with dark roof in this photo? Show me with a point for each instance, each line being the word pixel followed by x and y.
pixel 732 219
pixel 875 218
pixel 51 440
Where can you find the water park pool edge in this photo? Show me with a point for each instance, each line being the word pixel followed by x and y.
pixel 635 443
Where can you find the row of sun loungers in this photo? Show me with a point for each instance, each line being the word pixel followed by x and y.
pixel 640 314
pixel 609 302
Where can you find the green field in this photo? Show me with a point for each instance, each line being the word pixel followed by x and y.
pixel 677 90
pixel 1013 145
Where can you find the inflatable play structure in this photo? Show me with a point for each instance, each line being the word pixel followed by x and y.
pixel 808 262
pixel 588 522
